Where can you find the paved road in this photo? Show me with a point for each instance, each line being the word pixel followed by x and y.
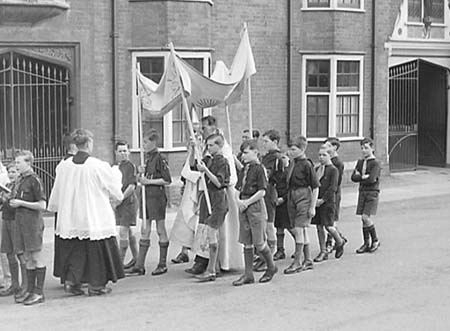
pixel 403 286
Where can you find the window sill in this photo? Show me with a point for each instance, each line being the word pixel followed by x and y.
pixel 24 12
pixel 354 10
pixel 440 25
pixel 342 139
pixel 163 150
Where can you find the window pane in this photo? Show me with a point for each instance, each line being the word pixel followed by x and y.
pixel 317 116
pixel 318 3
pixel 318 75
pixel 349 3
pixel 348 76
pixel 347 115
pixel 152 67
pixel 434 9
pixel 415 10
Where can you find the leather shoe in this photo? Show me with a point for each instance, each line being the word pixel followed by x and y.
pixel 268 275
pixel 9 291
pixel 307 265
pixel 181 258
pixel 243 280
pixel 206 277
pixel 130 264
pixel 365 248
pixel 292 269
pixel 73 289
pixel 21 296
pixel 340 250
pixel 374 247
pixel 279 255
pixel 33 299
pixel 135 271
pixel 321 257
pixel 101 291
pixel 260 266
pixel 196 269
pixel 160 269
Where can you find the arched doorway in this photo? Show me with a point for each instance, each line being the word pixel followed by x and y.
pixel 34 110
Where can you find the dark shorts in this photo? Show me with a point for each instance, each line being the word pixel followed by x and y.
pixel 126 214
pixel 252 224
pixel 282 217
pixel 219 209
pixel 156 207
pixel 324 215
pixel 299 201
pixel 367 203
pixel 338 205
pixel 29 233
pixel 8 236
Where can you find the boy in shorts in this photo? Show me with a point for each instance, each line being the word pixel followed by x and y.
pixel 8 237
pixel 367 174
pixel 126 212
pixel 252 185
pixel 29 202
pixel 335 144
pixel 217 171
pixel 326 204
pixel 303 188
pixel 155 176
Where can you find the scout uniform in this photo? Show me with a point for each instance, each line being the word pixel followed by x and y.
pixel 126 211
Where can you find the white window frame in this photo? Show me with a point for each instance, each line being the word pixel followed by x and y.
pixel 333 93
pixel 444 24
pixel 333 6
pixel 167 120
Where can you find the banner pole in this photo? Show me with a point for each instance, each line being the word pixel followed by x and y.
pixel 250 116
pixel 141 148
pixel 227 112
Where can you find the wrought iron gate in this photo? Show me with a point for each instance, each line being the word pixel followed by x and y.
pixel 34 111
pixel 403 116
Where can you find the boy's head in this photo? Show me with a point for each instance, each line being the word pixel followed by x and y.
pixel 122 151
pixel 151 138
pixel 24 161
pixel 334 142
pixel 297 147
pixel 83 139
pixel 69 144
pixel 270 139
pixel 367 147
pixel 214 143
pixel 13 173
pixel 209 126
pixel 250 151
pixel 325 152
pixel 246 134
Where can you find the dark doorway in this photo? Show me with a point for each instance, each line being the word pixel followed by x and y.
pixel 417 115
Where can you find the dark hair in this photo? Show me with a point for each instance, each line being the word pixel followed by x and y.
pixel 272 135
pixel 211 120
pixel 334 142
pixel 27 156
pixel 327 148
pixel 367 141
pixel 67 140
pixel 151 135
pixel 218 139
pixel 255 133
pixel 251 144
pixel 299 141
pixel 80 137
pixel 121 143
pixel 10 165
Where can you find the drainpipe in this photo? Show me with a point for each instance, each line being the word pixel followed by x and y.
pixel 372 101
pixel 289 68
pixel 115 87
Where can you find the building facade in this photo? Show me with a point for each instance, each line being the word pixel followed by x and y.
pixel 345 68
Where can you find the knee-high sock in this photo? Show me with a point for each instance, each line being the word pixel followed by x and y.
pixel 163 248
pixel 31 280
pixel 267 256
pixel 366 235
pixel 280 241
pixel 307 253
pixel 144 245
pixel 321 238
pixel 123 246
pixel 14 269
pixel 23 274
pixel 133 246
pixel 40 279
pixel 298 253
pixel 373 232
pixel 213 252
pixel 248 260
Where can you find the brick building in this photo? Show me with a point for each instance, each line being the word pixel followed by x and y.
pixel 347 68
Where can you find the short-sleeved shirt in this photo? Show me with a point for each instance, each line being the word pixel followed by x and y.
pixel 128 170
pixel 30 189
pixel 220 167
pixel 328 184
pixel 9 212
pixel 340 167
pixel 273 163
pixel 303 174
pixel 156 167
pixel 251 180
